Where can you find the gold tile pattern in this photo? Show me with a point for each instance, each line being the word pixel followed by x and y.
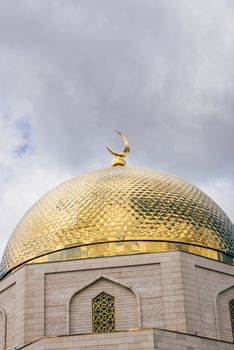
pixel 119 204
pixel 129 248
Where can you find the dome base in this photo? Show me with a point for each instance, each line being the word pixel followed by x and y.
pixel 127 248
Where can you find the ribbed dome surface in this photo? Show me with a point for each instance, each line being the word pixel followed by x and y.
pixel 118 205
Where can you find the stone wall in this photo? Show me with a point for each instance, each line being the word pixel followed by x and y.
pixel 150 339
pixel 144 281
pixel 164 340
pixel 173 291
pixel 210 284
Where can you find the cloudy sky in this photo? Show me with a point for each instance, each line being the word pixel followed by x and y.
pixel 71 72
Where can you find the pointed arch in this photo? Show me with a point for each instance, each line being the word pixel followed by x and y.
pixel 225 314
pixel 80 305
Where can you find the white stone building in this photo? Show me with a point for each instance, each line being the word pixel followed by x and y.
pixel 119 259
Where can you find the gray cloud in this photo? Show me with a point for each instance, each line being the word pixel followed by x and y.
pixel 73 71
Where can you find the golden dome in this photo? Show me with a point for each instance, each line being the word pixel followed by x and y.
pixel 116 211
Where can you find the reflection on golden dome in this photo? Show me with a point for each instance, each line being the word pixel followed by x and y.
pixel 116 211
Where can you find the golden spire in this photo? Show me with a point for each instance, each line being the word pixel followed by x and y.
pixel 119 156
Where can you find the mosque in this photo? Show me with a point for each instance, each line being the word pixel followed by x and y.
pixel 117 259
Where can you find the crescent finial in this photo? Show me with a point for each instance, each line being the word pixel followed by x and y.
pixel 119 156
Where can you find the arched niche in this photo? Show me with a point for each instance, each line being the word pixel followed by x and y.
pixel 224 320
pixel 81 306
